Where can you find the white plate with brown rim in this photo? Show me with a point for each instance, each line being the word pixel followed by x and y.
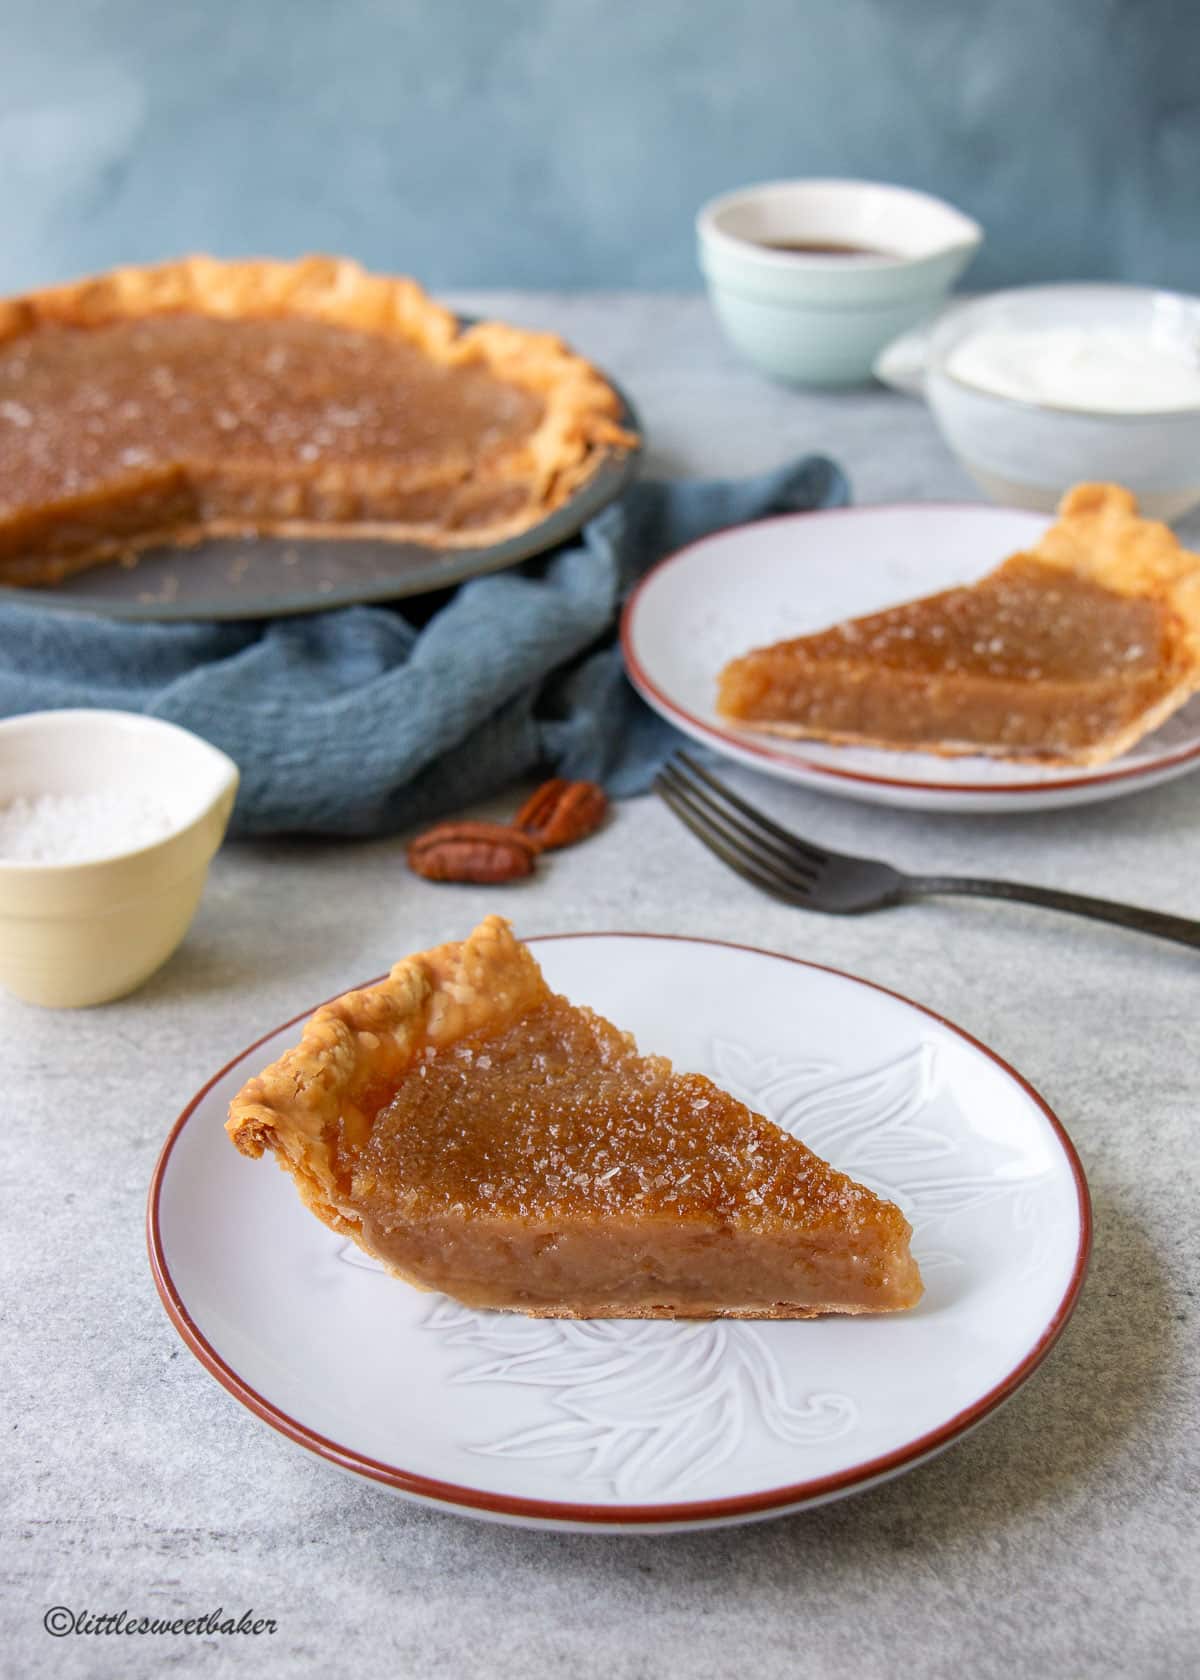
pixel 761 583
pixel 655 1425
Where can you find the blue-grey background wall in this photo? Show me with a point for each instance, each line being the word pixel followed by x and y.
pixel 552 143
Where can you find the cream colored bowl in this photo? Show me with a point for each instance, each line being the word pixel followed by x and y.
pixel 73 934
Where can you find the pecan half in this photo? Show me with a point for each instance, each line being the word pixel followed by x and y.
pixel 472 851
pixel 561 812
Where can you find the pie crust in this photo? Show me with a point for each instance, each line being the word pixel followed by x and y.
pixel 80 487
pixel 483 1137
pixel 1068 654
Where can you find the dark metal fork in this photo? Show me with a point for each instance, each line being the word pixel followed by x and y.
pixel 791 869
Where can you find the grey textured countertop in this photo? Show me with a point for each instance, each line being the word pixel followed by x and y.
pixel 1058 1539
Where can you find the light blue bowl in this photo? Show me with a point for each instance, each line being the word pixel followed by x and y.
pixel 817 319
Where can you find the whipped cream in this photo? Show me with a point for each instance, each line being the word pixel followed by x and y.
pixel 1107 370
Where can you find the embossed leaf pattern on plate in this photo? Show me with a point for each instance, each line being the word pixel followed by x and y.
pixel 878 1125
pixel 644 1405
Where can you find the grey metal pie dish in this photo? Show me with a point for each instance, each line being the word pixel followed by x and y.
pixel 276 577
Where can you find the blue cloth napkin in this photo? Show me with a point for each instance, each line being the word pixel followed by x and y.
pixel 367 720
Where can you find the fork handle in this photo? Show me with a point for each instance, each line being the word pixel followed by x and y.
pixel 1179 928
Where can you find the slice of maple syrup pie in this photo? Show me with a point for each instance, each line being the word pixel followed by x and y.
pixel 1067 654
pixel 484 1137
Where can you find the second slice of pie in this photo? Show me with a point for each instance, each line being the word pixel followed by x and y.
pixel 484 1137
pixel 1067 654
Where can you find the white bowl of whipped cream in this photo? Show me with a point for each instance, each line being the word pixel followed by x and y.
pixel 1038 388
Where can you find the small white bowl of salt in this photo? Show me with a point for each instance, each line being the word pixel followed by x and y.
pixel 108 823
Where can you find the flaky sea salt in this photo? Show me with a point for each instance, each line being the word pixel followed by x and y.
pixel 80 827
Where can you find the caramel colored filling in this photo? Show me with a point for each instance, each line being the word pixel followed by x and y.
pixel 1032 659
pixel 551 1167
pixel 112 432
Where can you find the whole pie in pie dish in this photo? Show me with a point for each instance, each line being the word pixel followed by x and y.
pixel 1067 654
pixel 206 398
pixel 484 1137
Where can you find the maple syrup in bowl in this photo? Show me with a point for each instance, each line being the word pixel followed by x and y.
pixel 828 248
pixel 810 279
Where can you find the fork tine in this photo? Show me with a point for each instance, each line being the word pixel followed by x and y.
pixel 765 852
pixel 762 834
pixel 731 798
pixel 734 860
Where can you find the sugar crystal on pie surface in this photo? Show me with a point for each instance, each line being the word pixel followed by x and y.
pixel 560 1116
pixel 277 390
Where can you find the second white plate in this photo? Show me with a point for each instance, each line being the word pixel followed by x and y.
pixel 760 583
